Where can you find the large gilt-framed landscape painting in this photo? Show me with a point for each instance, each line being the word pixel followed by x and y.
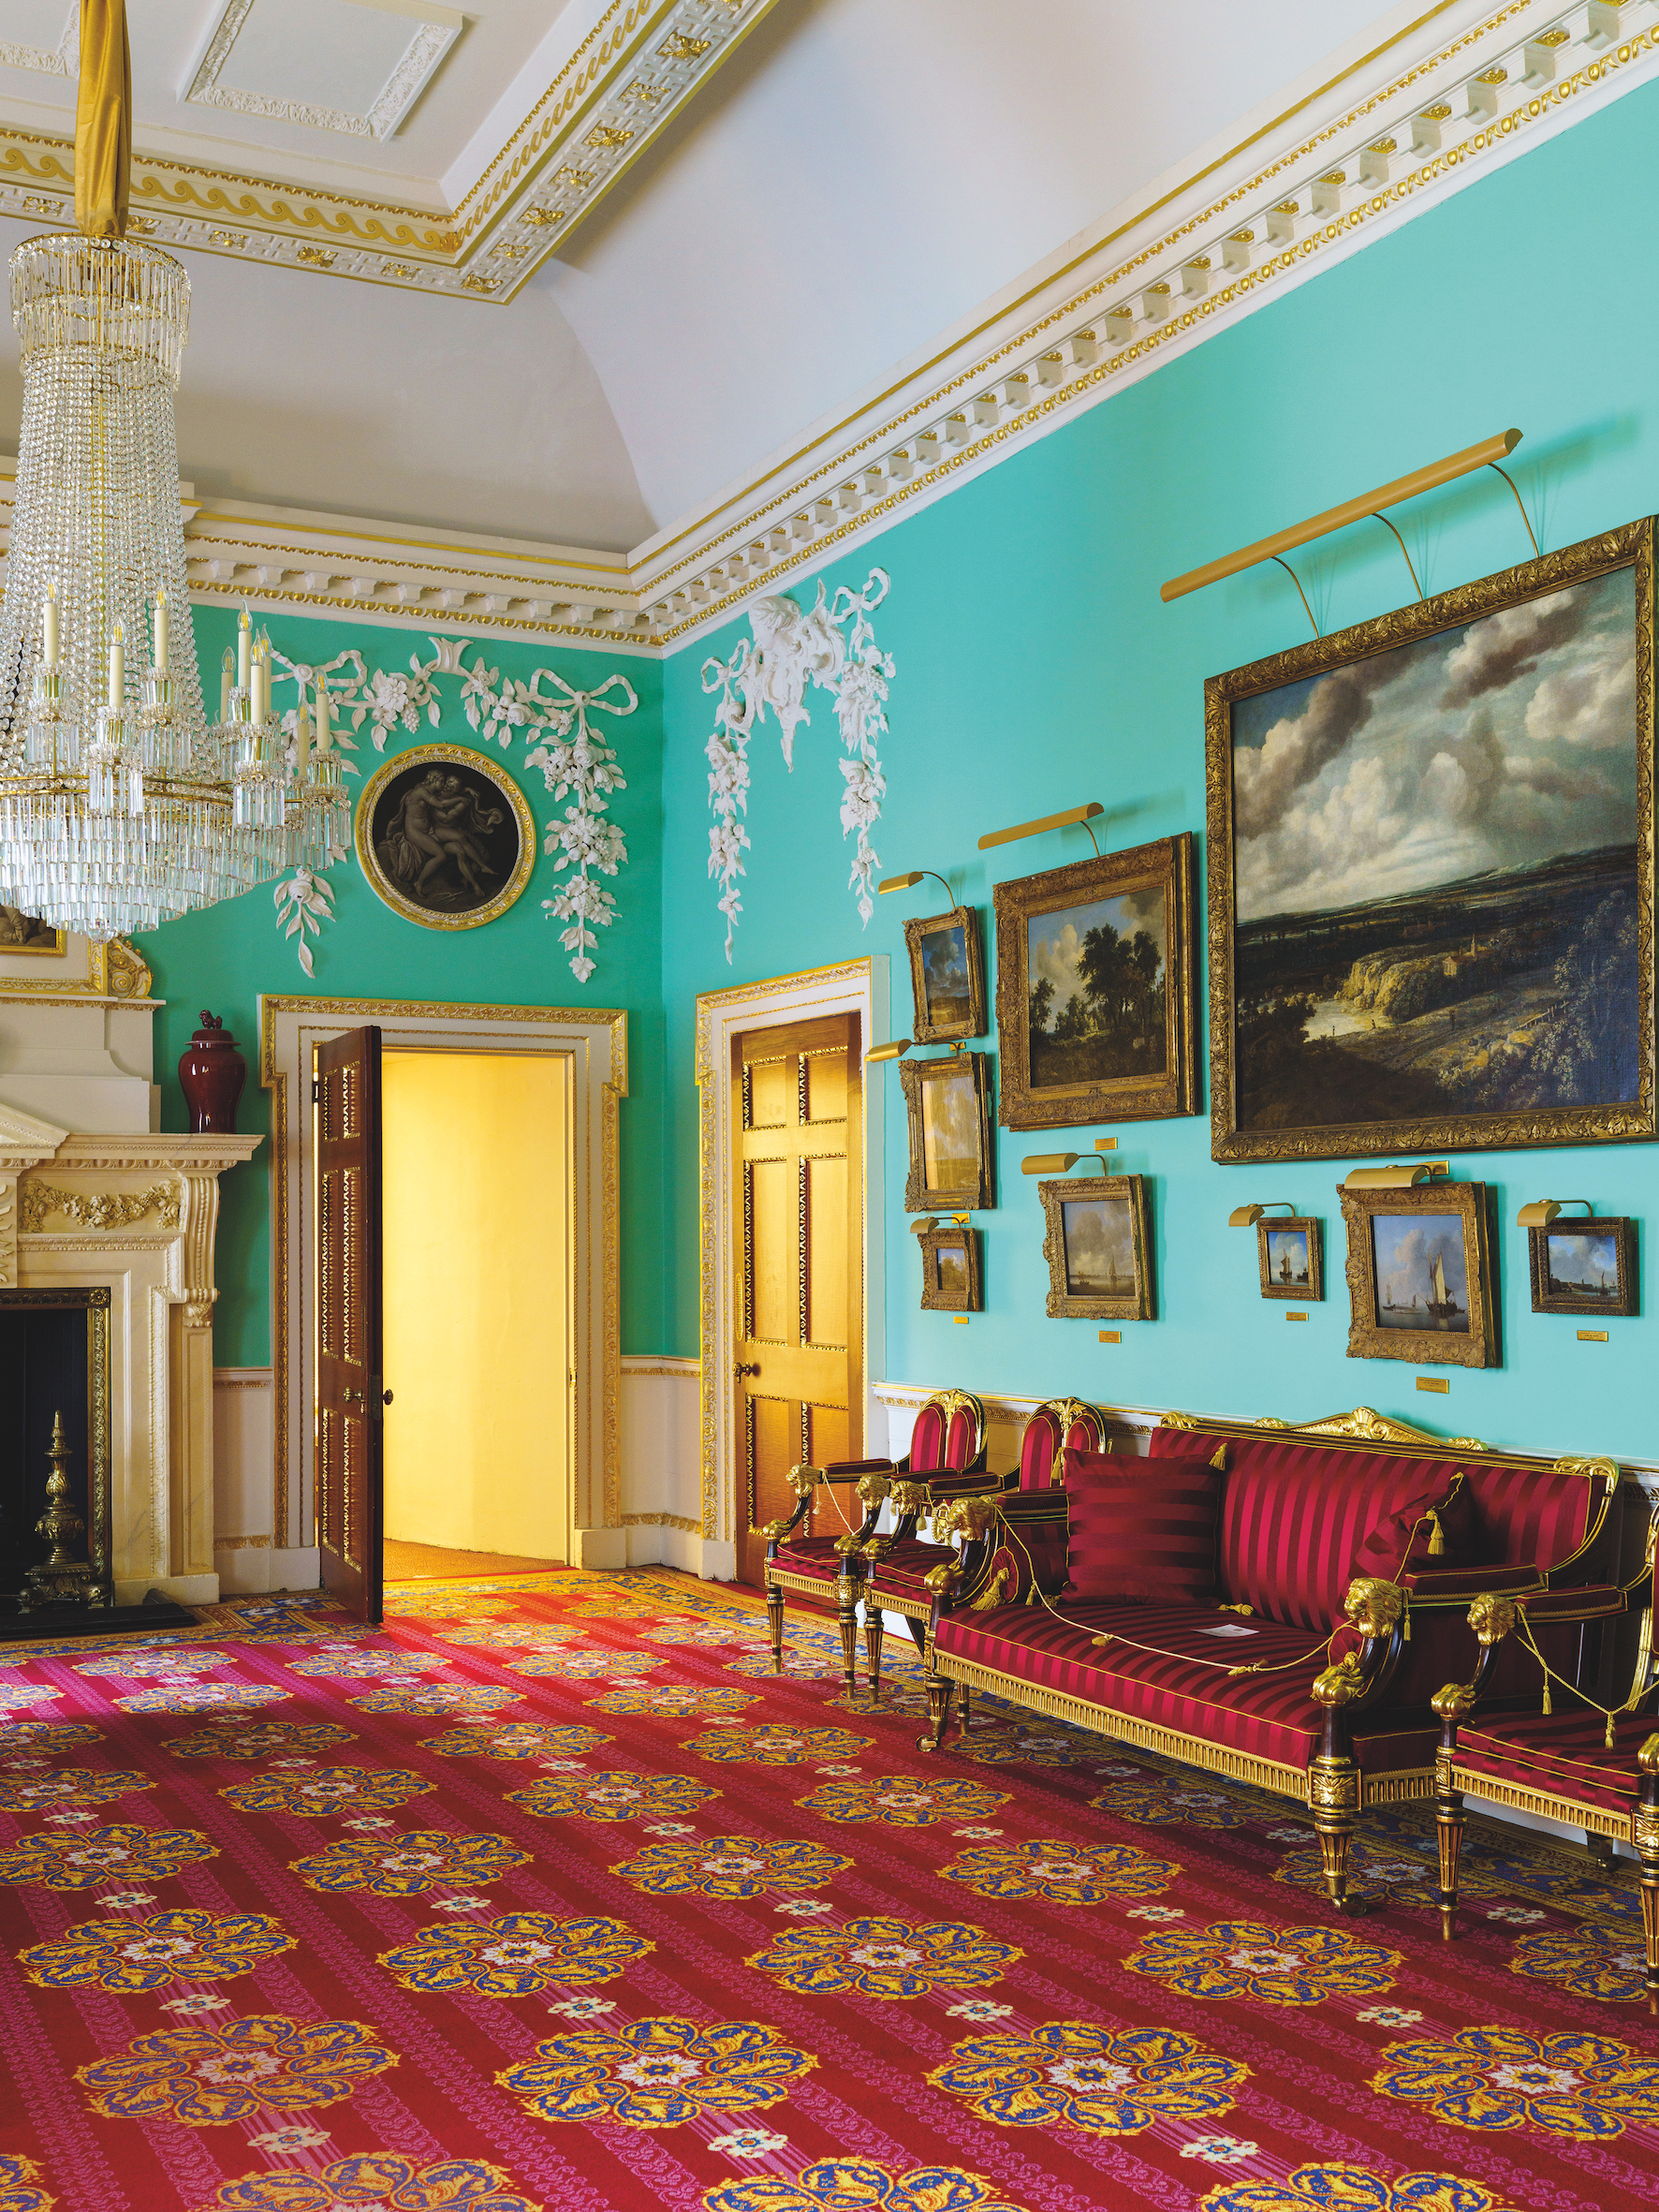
pixel 1094 990
pixel 1430 863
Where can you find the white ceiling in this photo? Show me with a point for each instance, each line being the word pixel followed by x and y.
pixel 860 175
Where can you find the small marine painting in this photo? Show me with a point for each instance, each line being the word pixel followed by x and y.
pixel 1422 1280
pixel 1582 1264
pixel 1287 1257
pixel 1099 1247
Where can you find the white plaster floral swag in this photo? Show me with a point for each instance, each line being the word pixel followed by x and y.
pixel 792 647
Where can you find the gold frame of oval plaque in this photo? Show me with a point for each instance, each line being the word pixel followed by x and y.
pixel 461 852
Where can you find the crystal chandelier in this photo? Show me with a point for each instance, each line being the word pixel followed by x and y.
pixel 121 806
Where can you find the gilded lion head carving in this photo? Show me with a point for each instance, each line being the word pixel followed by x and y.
pixel 1374 1606
pixel 1491 1617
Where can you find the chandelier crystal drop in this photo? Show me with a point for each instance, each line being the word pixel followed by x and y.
pixel 121 805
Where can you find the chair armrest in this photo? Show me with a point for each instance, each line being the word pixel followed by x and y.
pixel 920 1494
pixel 1461 1586
pixel 848 1470
pixel 1598 1600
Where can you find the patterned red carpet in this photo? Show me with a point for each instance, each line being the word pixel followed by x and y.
pixel 549 1895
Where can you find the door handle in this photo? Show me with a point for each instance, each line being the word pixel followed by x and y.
pixel 385 1397
pixel 753 1368
pixel 348 1394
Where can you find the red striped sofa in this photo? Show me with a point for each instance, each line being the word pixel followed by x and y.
pixel 1300 1677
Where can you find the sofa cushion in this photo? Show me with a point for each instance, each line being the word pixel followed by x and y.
pixel 1561 1755
pixel 1181 1685
pixel 1141 1533
pixel 1434 1530
pixel 1294 1514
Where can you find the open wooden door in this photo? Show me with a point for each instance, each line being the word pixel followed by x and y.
pixel 346 1124
pixel 798 1240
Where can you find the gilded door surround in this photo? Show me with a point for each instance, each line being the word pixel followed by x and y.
pixel 853 986
pixel 595 1039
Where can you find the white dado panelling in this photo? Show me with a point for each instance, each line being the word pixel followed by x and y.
pixel 245 1458
pixel 661 1461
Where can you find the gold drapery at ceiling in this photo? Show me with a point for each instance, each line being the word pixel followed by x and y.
pixel 103 120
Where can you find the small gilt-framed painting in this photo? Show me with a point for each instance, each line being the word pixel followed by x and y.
pixel 947 975
pixel 1419 1275
pixel 1585 1266
pixel 1094 990
pixel 951 1160
pixel 1292 1261
pixel 1098 1249
pixel 444 836
pixel 951 1270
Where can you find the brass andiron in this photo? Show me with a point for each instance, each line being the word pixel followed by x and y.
pixel 63 1578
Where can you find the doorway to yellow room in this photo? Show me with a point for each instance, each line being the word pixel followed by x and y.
pixel 477 1271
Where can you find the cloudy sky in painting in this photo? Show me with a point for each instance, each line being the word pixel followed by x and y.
pixel 1055 940
pixel 1405 1248
pixel 1099 1243
pixel 1496 745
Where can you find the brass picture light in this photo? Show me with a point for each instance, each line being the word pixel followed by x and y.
pixel 1047 821
pixel 1247 1216
pixel 1542 1211
pixel 1397 1177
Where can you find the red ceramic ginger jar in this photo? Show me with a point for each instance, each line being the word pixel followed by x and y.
pixel 211 1074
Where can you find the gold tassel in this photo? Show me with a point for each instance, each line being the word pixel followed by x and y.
pixel 1436 1538
pixel 1218 1458
pixel 1548 1708
pixel 1608 1738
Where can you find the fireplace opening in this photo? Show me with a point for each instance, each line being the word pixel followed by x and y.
pixel 54 1358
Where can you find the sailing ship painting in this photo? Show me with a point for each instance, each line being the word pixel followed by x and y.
pixel 1422 1281
pixel 1287 1257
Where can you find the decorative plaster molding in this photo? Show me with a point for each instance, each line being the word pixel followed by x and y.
pixel 440 28
pixel 791 649
pixel 99 1209
pixel 611 98
pixel 1447 101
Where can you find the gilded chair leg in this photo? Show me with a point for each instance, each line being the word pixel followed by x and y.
pixel 846 1596
pixel 965 1718
pixel 940 1693
pixel 1333 1798
pixel 1645 1838
pixel 774 1621
pixel 873 1628
pixel 1448 1819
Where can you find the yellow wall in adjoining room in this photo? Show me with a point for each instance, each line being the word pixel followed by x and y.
pixel 476 1268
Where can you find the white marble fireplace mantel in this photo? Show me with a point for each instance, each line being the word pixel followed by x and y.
pixel 135 1212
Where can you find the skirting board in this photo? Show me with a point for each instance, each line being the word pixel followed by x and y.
pixel 247 1569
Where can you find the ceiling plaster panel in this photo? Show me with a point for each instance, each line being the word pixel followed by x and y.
pixel 357 398
pixel 348 65
pixel 861 175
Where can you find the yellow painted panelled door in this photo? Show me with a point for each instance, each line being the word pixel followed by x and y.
pixel 799 1246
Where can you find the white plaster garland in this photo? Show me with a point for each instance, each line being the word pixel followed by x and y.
pixel 791 648
pixel 574 764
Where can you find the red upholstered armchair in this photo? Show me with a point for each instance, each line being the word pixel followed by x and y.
pixel 1590 1768
pixel 900 1562
pixel 950 1434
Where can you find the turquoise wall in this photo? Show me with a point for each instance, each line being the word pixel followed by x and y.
pixel 223 958
pixel 1037 669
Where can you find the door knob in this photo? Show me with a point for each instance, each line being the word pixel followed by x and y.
pixel 349 1394
pixel 753 1368
pixel 385 1397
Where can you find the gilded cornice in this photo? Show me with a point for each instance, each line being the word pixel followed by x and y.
pixel 638 68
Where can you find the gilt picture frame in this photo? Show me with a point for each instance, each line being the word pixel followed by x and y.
pixel 1584 1265
pixel 1097 1242
pixel 1290 1249
pixel 1430 872
pixel 946 975
pixel 950 1276
pixel 952 1160
pixel 444 836
pixel 1094 990
pixel 1419 1275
